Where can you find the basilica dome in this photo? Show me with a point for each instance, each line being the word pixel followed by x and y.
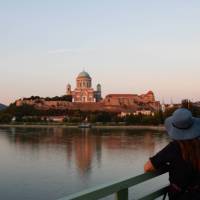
pixel 150 92
pixel 84 74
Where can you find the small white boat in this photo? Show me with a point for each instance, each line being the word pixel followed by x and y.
pixel 85 125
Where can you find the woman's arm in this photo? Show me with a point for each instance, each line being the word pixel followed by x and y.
pixel 148 167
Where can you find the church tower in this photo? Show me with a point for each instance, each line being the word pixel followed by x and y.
pixel 98 88
pixel 98 93
pixel 69 89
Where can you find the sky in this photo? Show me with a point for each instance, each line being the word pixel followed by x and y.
pixel 128 46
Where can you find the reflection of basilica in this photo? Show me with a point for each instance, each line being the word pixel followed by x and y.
pixel 84 148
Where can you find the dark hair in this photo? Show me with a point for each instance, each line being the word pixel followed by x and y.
pixel 190 150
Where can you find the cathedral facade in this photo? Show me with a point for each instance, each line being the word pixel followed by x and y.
pixel 84 93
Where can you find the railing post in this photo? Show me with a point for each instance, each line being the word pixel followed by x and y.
pixel 122 194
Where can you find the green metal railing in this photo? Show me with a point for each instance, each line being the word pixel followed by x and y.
pixel 120 189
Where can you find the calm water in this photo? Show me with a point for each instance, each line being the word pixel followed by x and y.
pixel 49 163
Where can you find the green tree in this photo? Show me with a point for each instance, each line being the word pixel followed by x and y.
pixel 5 118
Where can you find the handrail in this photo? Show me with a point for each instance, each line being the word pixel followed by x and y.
pixel 119 187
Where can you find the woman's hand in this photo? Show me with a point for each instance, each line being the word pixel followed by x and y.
pixel 148 167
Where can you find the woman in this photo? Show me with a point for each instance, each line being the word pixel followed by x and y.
pixel 181 157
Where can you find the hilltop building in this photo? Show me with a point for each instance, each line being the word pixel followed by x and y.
pixel 143 102
pixel 84 92
pixel 129 99
pixel 85 98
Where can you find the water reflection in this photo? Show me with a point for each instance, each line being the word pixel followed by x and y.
pixel 84 143
pixel 70 160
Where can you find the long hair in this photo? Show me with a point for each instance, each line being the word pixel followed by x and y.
pixel 190 150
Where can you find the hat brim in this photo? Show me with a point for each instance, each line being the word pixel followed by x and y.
pixel 183 134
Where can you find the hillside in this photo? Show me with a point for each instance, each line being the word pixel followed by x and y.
pixel 2 106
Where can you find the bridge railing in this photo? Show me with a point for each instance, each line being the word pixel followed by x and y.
pixel 120 189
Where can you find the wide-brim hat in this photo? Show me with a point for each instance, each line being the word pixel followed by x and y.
pixel 182 125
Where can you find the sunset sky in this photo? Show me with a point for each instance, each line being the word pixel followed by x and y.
pixel 128 46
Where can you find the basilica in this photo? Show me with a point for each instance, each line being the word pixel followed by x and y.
pixel 84 93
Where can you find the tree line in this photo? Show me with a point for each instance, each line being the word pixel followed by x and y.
pixel 28 113
pixel 56 98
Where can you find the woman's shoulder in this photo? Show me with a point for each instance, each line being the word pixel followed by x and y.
pixel 169 154
pixel 172 149
pixel 173 146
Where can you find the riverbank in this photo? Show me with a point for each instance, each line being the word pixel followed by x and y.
pixel 128 127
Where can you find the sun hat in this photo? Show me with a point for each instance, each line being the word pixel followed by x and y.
pixel 182 125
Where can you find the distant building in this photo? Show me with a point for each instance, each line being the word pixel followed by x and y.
pixel 166 107
pixel 138 112
pixel 85 98
pixel 163 107
pixel 55 118
pixel 197 104
pixel 142 102
pixel 148 97
pixel 84 91
pixel 144 112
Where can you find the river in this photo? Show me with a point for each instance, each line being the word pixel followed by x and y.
pixel 49 163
